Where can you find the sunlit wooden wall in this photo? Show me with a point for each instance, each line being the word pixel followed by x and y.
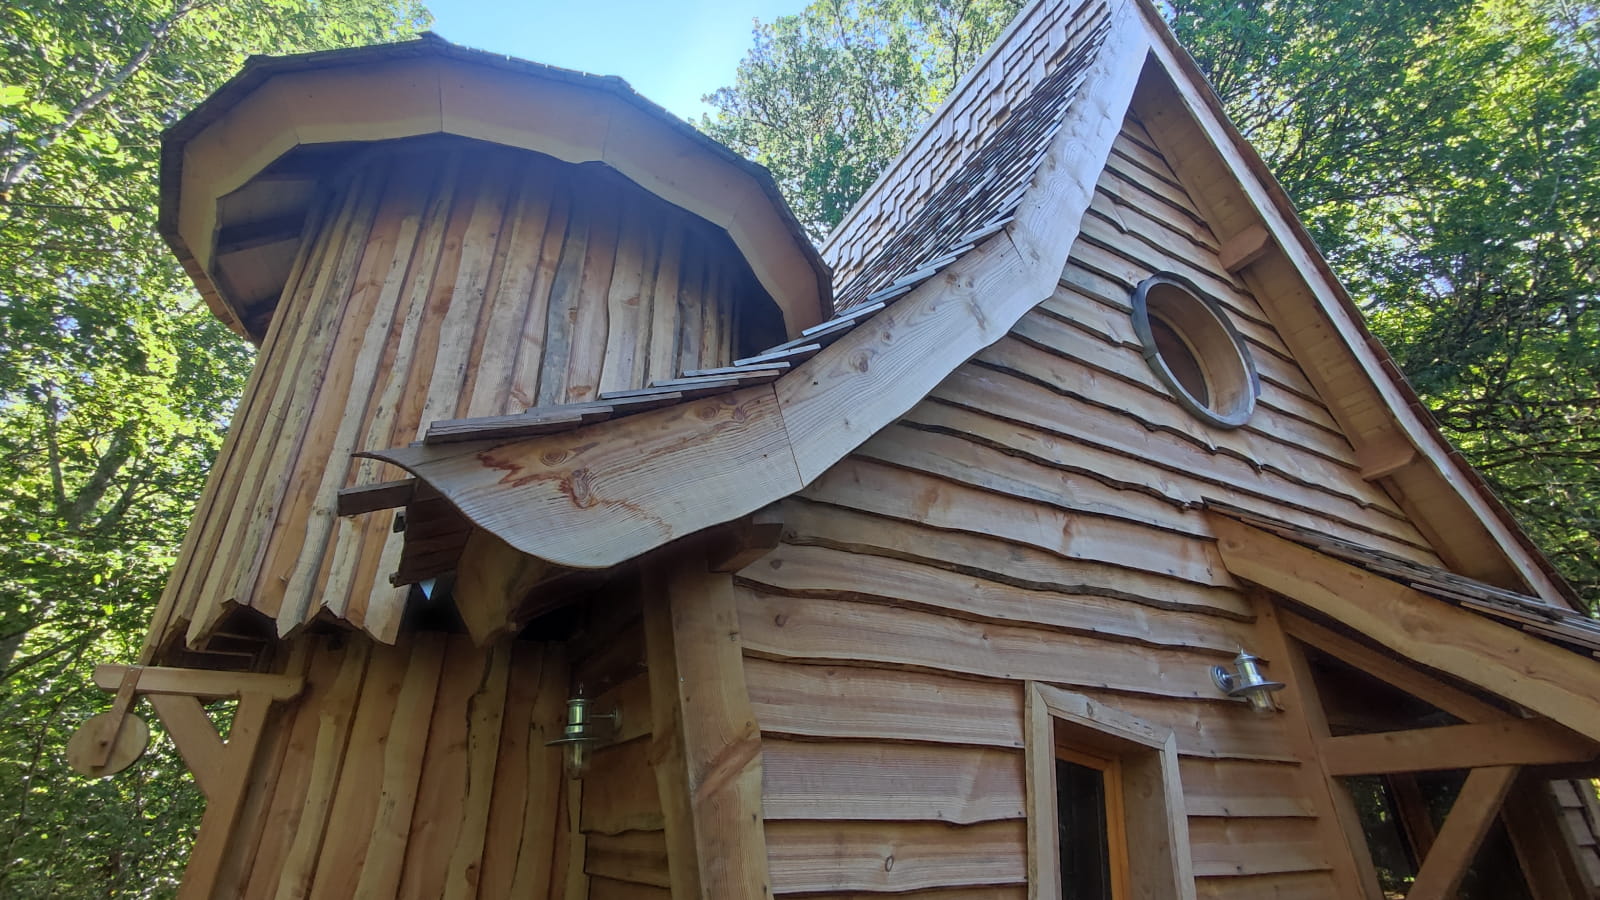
pixel 438 281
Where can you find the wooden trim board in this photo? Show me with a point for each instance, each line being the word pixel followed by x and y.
pixel 1505 662
pixel 1154 817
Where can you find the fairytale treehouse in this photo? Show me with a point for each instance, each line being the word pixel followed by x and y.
pixel 582 534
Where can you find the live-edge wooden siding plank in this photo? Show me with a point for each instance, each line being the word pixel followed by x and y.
pixel 900 856
pixel 586 353
pixel 1008 395
pixel 815 571
pixel 373 602
pixel 401 764
pixel 1098 458
pixel 441 790
pixel 262 471
pixel 994 558
pixel 522 820
pixel 323 769
pixel 513 300
pixel 294 559
pixel 355 804
pixel 845 780
pixel 901 494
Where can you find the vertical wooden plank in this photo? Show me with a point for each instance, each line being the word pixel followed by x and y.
pixel 294 360
pixel 562 309
pixel 405 745
pixel 586 354
pixel 464 295
pixel 432 283
pixel 1305 724
pixel 507 308
pixel 341 588
pixel 628 302
pixel 306 523
pixel 355 803
pixel 442 791
pixel 721 741
pixel 663 358
pixel 1044 852
pixel 486 712
pixel 1475 810
pixel 276 461
pixel 691 302
pixel 333 732
pixel 530 350
pixel 522 820
pixel 216 501
pixel 263 782
pixel 711 305
pixel 666 739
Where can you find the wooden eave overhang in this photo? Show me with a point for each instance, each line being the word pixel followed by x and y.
pixel 431 86
pixel 596 486
pixel 1478 634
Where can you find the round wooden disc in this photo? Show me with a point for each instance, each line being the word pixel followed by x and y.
pixel 131 743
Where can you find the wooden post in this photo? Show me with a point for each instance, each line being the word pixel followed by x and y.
pixel 697 666
pixel 1307 727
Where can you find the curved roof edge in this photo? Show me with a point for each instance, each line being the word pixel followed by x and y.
pixel 684 167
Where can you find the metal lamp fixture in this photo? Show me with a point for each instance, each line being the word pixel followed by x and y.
pixel 1247 681
pixel 583 732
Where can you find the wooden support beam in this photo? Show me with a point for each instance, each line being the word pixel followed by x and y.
pixel 365 498
pixel 1376 663
pixel 1547 679
pixel 1475 810
pixel 745 541
pixel 203 683
pixel 1381 458
pixel 1306 726
pixel 1503 743
pixel 720 740
pixel 228 767
pixel 1244 248
pixel 492 579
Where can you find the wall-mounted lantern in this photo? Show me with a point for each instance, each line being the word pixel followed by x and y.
pixel 584 730
pixel 1247 681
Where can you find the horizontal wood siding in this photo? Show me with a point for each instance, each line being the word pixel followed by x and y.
pixel 415 770
pixel 1035 519
pixel 460 281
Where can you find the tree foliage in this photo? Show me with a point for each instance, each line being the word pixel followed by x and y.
pixel 1444 153
pixel 826 98
pixel 115 384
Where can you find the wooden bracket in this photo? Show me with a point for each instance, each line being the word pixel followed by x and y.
pixel 106 737
pixel 1244 248
pixel 221 766
pixel 746 540
pixel 1475 810
pixel 1507 742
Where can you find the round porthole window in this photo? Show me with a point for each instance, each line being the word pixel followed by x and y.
pixel 1194 350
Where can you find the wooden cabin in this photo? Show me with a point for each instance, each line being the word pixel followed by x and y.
pixel 916 568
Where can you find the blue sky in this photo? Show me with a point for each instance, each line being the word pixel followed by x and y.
pixel 672 52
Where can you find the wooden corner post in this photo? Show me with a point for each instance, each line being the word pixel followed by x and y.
pixel 707 744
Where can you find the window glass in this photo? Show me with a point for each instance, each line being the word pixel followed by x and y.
pixel 1081 813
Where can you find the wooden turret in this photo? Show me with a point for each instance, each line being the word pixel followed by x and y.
pixel 417 232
